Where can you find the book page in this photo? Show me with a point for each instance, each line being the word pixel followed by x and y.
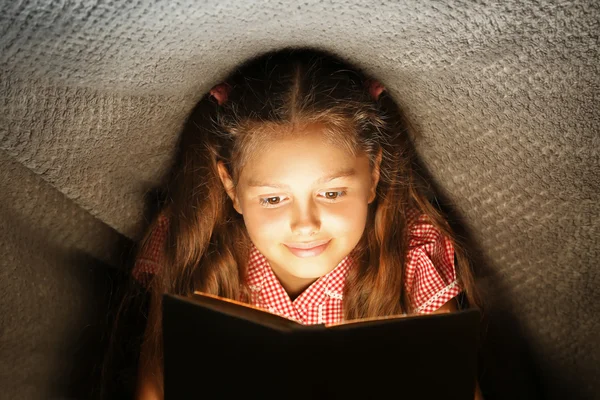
pixel 200 295
pixel 243 310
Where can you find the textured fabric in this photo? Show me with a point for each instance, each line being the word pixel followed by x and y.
pixel 57 275
pixel 503 98
pixel 430 277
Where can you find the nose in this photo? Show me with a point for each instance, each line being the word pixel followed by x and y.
pixel 305 220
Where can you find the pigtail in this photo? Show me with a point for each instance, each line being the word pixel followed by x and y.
pixel 206 245
pixel 420 196
pixel 375 286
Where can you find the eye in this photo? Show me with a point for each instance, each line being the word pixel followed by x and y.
pixel 270 201
pixel 334 195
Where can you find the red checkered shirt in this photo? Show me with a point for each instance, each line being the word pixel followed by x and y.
pixel 430 276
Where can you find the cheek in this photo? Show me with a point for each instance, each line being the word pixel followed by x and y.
pixel 349 217
pixel 261 220
pixel 261 224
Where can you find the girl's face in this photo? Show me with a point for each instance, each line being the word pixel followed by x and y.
pixel 300 193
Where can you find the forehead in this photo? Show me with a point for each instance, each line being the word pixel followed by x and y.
pixel 300 159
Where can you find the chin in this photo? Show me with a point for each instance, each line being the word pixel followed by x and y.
pixel 309 269
pixel 309 277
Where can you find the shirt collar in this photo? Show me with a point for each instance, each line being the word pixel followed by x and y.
pixel 261 277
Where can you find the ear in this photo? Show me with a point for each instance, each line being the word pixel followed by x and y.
pixel 228 185
pixel 375 176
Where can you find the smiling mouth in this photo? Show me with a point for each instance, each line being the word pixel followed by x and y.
pixel 307 246
pixel 311 249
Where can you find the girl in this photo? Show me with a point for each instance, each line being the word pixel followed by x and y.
pixel 296 190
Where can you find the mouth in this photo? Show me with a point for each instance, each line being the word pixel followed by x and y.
pixel 311 249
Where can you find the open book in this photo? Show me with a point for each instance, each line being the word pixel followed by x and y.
pixel 219 348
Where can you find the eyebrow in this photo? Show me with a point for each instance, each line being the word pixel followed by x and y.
pixel 338 174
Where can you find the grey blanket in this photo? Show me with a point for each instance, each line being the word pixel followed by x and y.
pixel 504 98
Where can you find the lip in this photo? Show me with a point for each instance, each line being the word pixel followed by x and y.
pixel 307 245
pixel 311 249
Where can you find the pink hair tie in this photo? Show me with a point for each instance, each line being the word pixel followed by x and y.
pixel 220 92
pixel 375 88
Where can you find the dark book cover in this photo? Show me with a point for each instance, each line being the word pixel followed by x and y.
pixel 219 348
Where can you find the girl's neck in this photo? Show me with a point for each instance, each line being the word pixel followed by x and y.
pixel 293 285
